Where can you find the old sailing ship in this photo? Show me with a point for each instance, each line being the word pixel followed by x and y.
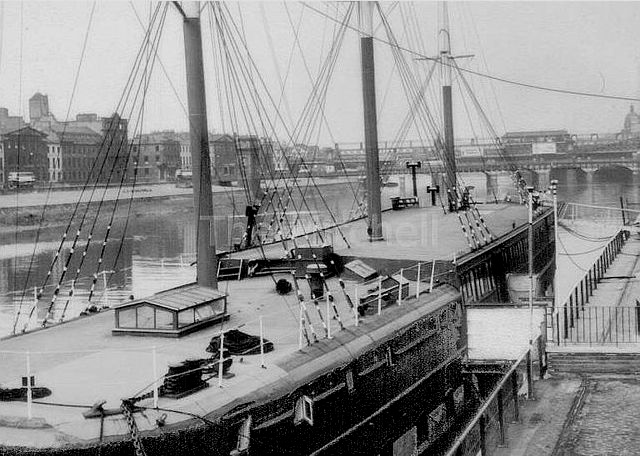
pixel 367 354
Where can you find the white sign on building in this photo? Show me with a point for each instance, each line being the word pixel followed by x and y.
pixel 540 148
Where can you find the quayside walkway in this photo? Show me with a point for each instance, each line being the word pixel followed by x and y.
pixel 579 396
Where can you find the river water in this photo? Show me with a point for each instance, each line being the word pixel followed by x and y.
pixel 156 251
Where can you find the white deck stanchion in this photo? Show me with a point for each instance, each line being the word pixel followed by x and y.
pixel 400 287
pixel 262 345
pixel 221 359
pixel 328 313
pixel 300 326
pixel 355 307
pixel 155 377
pixel 418 282
pixel 433 270
pixel 379 295
pixel 29 391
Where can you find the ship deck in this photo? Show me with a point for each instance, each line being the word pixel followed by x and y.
pixel 82 363
pixel 418 234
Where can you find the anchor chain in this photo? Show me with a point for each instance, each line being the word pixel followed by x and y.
pixel 127 411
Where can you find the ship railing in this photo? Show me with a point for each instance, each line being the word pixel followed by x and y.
pixel 488 428
pixel 573 320
pixel 415 280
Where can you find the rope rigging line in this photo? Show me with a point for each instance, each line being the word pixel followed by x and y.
pixel 120 185
pixel 146 76
pixel 412 92
pixel 519 183
pixel 233 81
pixel 89 176
pixel 323 83
pixel 110 137
pixel 253 93
pixel 248 117
pixel 486 75
pixel 295 180
pixel 48 196
pixel 313 109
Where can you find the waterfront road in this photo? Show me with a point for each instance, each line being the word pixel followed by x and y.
pixel 39 197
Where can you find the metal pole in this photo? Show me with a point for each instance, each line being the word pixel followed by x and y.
pixel 104 285
pixel 554 191
pixel 418 282
pixel 379 295
pixel 29 392
pixel 400 287
pixel 262 344
pixel 449 145
pixel 300 327
pixel 221 360
pixel 355 307
pixel 529 357
pixel 155 378
pixel 199 141
pixel 328 314
pixel 372 161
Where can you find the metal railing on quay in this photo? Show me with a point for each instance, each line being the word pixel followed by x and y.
pixel 489 425
pixel 572 321
pixel 599 325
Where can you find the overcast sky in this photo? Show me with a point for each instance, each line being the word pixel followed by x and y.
pixel 582 46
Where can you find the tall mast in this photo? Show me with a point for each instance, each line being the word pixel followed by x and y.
pixel 372 163
pixel 447 106
pixel 199 139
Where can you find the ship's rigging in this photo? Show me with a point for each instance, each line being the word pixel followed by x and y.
pixel 289 206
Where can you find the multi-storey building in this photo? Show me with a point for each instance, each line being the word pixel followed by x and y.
pixel 222 153
pixel 25 150
pixel 157 156
pixel 10 123
pixel 38 106
pixel 78 151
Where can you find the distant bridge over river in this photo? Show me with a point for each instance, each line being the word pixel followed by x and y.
pixel 587 156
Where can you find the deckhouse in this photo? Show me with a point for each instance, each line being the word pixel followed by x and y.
pixel 171 313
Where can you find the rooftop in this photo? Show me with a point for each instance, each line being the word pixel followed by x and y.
pixel 179 298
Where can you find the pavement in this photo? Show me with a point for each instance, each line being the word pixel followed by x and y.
pixel 588 414
pixel 541 420
pixel 594 415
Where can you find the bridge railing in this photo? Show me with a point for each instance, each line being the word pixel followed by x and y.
pixel 599 325
pixel 564 318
